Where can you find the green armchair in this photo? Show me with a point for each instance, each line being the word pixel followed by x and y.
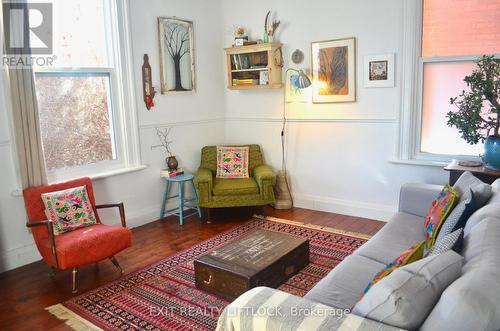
pixel 219 193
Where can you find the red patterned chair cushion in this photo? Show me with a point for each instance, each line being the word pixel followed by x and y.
pixel 86 245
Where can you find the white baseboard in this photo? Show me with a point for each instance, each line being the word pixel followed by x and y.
pixel 344 207
pixel 18 257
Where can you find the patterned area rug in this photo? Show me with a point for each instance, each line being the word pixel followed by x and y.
pixel 163 296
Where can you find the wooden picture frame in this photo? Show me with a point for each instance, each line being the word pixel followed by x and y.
pixel 334 70
pixel 176 39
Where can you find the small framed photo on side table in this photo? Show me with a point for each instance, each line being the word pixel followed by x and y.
pixel 379 70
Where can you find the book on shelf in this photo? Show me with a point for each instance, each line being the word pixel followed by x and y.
pixel 166 173
pixel 241 61
pixel 248 81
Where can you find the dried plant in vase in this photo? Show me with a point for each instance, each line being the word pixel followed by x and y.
pixel 165 142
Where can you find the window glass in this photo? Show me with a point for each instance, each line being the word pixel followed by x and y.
pixel 75 119
pixel 442 81
pixel 460 27
pixel 80 33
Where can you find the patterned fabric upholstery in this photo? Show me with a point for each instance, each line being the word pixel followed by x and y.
pixel 86 245
pixel 439 210
pixel 235 186
pixel 450 241
pixel 255 191
pixel 79 247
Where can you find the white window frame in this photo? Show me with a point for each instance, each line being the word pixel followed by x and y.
pixel 412 85
pixel 123 102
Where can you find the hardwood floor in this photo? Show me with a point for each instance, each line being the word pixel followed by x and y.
pixel 26 291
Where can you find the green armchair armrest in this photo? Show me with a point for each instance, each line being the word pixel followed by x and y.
pixel 266 179
pixel 203 180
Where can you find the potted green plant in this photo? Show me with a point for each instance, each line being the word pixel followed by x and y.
pixel 478 115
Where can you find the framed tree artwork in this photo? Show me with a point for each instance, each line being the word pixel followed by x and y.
pixel 334 70
pixel 176 55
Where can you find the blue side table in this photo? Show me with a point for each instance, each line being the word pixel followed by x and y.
pixel 179 210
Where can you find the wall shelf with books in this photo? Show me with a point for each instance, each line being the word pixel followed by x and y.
pixel 254 66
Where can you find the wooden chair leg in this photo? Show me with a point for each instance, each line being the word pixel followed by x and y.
pixel 52 271
pixel 209 219
pixel 75 271
pixel 116 264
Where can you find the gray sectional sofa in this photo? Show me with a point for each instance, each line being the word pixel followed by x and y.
pixel 469 302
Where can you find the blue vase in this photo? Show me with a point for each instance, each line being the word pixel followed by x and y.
pixel 491 156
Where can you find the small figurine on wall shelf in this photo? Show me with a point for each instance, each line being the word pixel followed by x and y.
pixel 270 31
pixel 163 136
pixel 147 84
pixel 240 37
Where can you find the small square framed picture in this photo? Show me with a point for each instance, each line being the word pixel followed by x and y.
pixel 264 78
pixel 379 70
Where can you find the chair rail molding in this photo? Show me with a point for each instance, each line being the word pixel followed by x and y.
pixel 313 120
pixel 148 126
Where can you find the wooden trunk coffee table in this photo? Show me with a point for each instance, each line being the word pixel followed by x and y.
pixel 261 258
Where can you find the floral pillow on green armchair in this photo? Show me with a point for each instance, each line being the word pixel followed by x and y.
pixel 232 162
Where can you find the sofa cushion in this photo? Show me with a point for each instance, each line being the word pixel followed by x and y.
pixel 482 245
pixel 452 241
pixel 491 209
pixel 439 210
pixel 86 245
pixel 342 286
pixel 401 232
pixel 472 301
pixel 468 181
pixel 496 184
pixel 235 186
pixel 459 215
pixel 412 254
pixel 405 297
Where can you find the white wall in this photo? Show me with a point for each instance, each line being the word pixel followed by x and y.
pixel 197 120
pixel 338 154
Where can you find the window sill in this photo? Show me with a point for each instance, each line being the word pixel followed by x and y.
pixel 19 192
pixel 117 172
pixel 424 163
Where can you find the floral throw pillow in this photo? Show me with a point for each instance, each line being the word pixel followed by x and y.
pixel 68 209
pixel 412 254
pixel 232 162
pixel 439 210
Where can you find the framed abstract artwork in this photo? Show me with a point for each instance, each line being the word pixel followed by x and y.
pixel 334 70
pixel 379 70
pixel 176 55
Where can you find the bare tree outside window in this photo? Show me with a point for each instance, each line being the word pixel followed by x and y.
pixel 75 119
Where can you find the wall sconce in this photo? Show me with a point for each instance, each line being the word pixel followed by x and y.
pixel 147 84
